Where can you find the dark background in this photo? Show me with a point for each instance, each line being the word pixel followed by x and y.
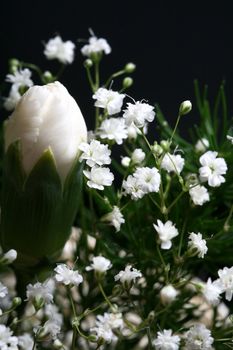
pixel 171 42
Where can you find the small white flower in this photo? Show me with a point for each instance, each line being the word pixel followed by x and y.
pixel 202 145
pixel 63 51
pixel 99 177
pixel 148 179
pixel 113 129
pixel 168 294
pixel 138 156
pixel 166 232
pixel 25 341
pixel 198 243
pixel 7 340
pixel 3 290
pixel 226 281
pixel 40 292
pixel 185 107
pixel 99 264
pixel 115 218
pixel 10 256
pixel 96 45
pixel 230 138
pixel 20 78
pixel 166 341
pixel 95 153
pixel 199 338
pixel 66 275
pixel 13 98
pixel 128 275
pixel 211 291
pixel 133 132
pixel 172 163
pixel 133 188
pixel 199 194
pixel 138 113
pixel 110 100
pixel 125 162
pixel 212 169
pixel 105 324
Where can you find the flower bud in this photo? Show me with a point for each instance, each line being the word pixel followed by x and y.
pixel 10 256
pixel 125 162
pixel 13 65
pixel 42 175
pixel 138 156
pixel 88 63
pixel 130 67
pixel 185 107
pixel 16 302
pixel 168 294
pixel 165 145
pixel 127 82
pixel 48 77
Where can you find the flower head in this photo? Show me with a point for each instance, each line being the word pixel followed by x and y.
pixel 166 341
pixel 168 294
pixel 211 291
pixel 172 163
pixel 115 218
pixel 202 145
pixel 212 169
pixel 20 78
pixel 25 341
pixel 166 232
pixel 148 179
pixel 62 51
pixel 113 129
pixel 13 98
pixel 199 338
pixel 96 45
pixel 106 324
pixel 99 264
pixel 67 276
pixel 7 340
pixel 99 177
pixel 110 100
pixel 40 293
pixel 138 113
pixel 3 290
pixel 138 156
pixel 199 194
pixel 197 243
pixel 128 275
pixel 95 153
pixel 226 281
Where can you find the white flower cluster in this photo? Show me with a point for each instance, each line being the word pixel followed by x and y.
pixel 166 233
pixel 213 168
pixel 115 218
pixel 96 155
pixel 143 181
pixel 63 51
pixel 7 340
pixel 67 276
pixel 198 244
pixel 172 163
pixel 96 46
pixel 106 325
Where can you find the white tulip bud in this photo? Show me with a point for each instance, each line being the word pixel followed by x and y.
pixel 138 156
pixel 168 294
pixel 185 107
pixel 47 117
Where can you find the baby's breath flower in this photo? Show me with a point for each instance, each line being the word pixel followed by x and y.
pixel 148 179
pixel 138 156
pixel 212 169
pixel 99 177
pixel 168 294
pixel 199 338
pixel 211 291
pixel 128 276
pixel 138 113
pixel 230 138
pixel 226 281
pixel 202 145
pixel 3 290
pixel 133 188
pixel 99 264
pixel 185 107
pixel 125 162
pixel 40 293
pixel 25 341
pixel 166 232
pixel 20 78
pixel 106 324
pixel 10 256
pixel 197 243
pixel 166 341
pixel 95 153
pixel 110 100
pixel 63 51
pixel 11 101
pixel 113 129
pixel 172 163
pixel 115 218
pixel 7 340
pixel 199 195
pixel 67 276
pixel 96 45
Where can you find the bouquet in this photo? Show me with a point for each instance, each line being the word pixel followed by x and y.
pixel 118 237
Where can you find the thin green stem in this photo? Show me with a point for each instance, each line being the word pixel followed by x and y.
pixel 226 223
pixel 149 338
pixel 175 128
pixel 175 200
pixel 163 263
pixel 104 295
pixel 114 75
pixel 97 76
pixel 154 201
pixel 90 80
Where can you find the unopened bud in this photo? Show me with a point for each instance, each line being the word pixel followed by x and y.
pixel 58 344
pixel 16 301
pixel 130 67
pixel 127 82
pixel 125 162
pixel 185 107
pixel 157 149
pixel 48 77
pixel 88 63
pixel 165 145
pixel 10 256
pixel 13 65
pixel 168 294
pixel 138 156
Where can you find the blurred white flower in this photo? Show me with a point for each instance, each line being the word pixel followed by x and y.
pixel 128 275
pixel 172 163
pixel 7 340
pixel 99 264
pixel 20 78
pixel 199 195
pixel 211 291
pixel 115 218
pixel 125 162
pixel 198 338
pixel 40 292
pixel 67 276
pixel 10 256
pixel 166 232
pixel 113 129
pixel 202 145
pixel 138 156
pixel 105 324
pixel 11 101
pixel 212 169
pixel 197 243
pixel 47 117
pixel 148 179
pixel 132 187
pixel 226 281
pixel 110 100
pixel 166 341
pixel 138 113
pixel 168 294
pixel 95 153
pixel 25 341
pixel 3 290
pixel 96 45
pixel 63 51
pixel 230 138
pixel 99 177
pixel 54 322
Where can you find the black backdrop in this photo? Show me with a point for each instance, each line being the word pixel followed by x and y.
pixel 171 42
